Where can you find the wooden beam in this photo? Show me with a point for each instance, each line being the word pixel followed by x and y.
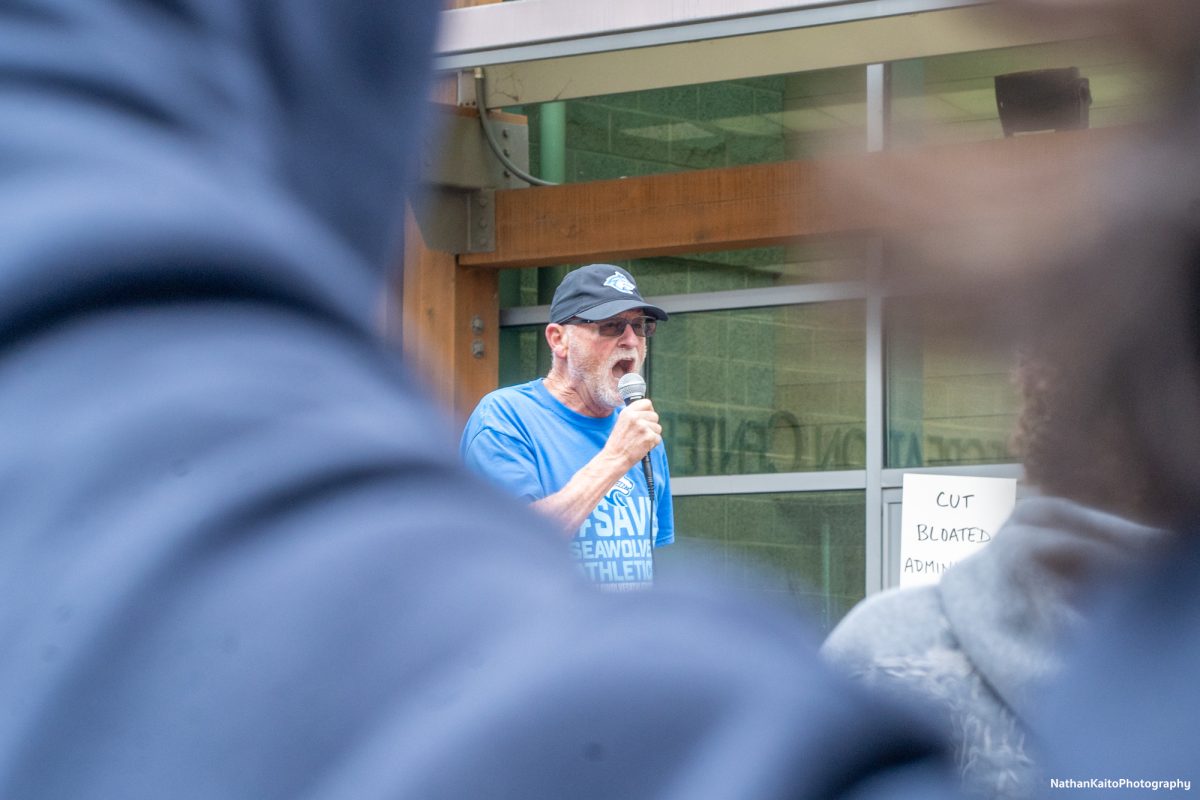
pixel 769 204
pixel 477 319
pixel 446 317
pixel 439 302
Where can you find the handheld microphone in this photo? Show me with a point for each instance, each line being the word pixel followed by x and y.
pixel 632 387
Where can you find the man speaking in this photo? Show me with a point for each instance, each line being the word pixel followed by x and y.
pixel 570 444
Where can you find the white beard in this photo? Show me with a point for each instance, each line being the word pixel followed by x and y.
pixel 597 377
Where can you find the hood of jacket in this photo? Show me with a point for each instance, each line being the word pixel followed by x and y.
pixel 161 129
pixel 1011 605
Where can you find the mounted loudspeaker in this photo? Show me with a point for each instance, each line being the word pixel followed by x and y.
pixel 1043 100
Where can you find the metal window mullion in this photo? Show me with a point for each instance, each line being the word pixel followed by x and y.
pixel 770 482
pixel 876 429
pixel 894 478
pixel 717 301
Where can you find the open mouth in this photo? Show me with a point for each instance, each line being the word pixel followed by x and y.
pixel 623 367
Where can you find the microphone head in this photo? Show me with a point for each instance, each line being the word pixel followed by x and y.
pixel 631 387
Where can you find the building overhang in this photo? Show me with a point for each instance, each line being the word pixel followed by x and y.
pixel 538 51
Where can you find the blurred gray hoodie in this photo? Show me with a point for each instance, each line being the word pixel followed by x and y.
pixel 974 647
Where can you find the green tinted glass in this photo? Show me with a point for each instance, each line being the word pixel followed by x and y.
pixel 950 401
pixel 755 268
pixel 702 126
pixel 524 354
pixel 805 548
pixel 762 390
pixel 744 391
pixel 952 98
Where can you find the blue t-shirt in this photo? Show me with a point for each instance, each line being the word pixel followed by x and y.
pixel 525 440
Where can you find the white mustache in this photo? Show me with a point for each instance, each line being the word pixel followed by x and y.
pixel 630 355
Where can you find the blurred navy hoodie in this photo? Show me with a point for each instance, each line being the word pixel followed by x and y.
pixel 239 558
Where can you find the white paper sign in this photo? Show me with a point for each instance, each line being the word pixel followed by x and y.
pixel 945 518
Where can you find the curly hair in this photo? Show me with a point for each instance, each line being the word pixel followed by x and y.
pixel 1075 446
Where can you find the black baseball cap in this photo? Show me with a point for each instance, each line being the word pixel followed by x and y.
pixel 596 292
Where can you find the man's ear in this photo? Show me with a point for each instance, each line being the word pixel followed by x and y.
pixel 556 337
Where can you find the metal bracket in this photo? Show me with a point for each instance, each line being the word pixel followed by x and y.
pixel 456 154
pixel 456 210
pixel 457 221
pixel 481 221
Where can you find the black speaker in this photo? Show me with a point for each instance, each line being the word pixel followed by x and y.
pixel 1043 100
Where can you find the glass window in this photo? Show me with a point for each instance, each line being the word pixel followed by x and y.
pixel 703 126
pixel 806 548
pixel 760 390
pixel 524 354
pixel 952 98
pixel 745 391
pixel 763 267
pixel 731 123
pixel 949 401
pixel 829 260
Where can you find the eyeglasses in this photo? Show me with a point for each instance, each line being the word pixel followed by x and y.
pixel 612 328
